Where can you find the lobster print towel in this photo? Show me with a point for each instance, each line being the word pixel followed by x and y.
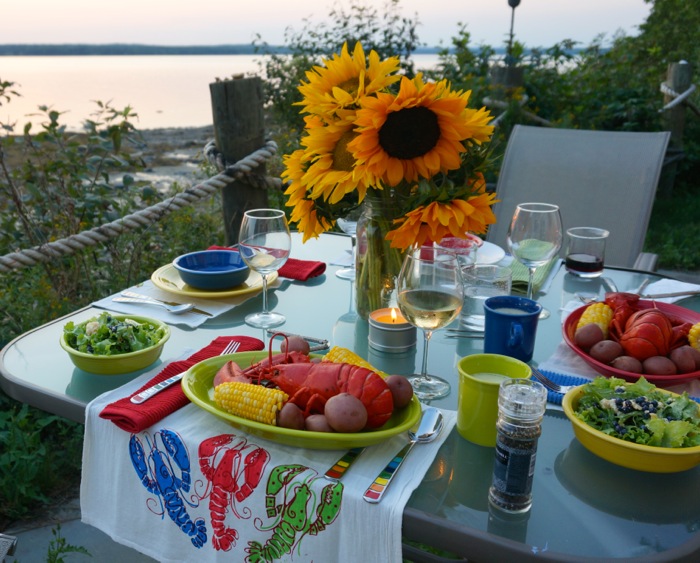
pixel 194 488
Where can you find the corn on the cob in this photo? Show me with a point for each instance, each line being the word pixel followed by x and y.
pixel 597 313
pixel 250 401
pixel 694 336
pixel 340 355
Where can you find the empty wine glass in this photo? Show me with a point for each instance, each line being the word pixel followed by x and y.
pixel 348 224
pixel 430 294
pixel 534 238
pixel 264 243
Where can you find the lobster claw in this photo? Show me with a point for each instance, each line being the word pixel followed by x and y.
pixel 624 306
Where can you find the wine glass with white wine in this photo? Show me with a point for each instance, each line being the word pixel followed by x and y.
pixel 430 296
pixel 264 243
pixel 534 238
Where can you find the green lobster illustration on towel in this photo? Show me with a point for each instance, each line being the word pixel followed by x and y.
pixel 292 503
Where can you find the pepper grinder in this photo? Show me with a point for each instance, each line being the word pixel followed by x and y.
pixel 521 406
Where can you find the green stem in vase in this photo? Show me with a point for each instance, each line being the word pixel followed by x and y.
pixel 378 263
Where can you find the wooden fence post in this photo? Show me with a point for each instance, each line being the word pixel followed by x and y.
pixel 678 78
pixel 239 130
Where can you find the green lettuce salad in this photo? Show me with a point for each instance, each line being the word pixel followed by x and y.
pixel 639 412
pixel 108 336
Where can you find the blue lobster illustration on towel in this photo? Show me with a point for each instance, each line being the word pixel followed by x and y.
pixel 165 471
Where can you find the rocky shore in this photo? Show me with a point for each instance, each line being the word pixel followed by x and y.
pixel 172 154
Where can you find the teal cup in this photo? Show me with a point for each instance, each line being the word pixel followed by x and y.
pixel 511 326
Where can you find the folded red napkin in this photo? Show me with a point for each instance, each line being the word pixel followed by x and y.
pixel 135 418
pixel 293 268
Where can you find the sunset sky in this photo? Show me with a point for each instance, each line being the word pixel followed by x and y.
pixel 183 22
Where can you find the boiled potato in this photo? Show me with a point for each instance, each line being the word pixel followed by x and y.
pixel 606 351
pixel 345 413
pixel 291 416
pixel 295 344
pixel 684 359
pixel 627 363
pixel 588 335
pixel 696 355
pixel 318 423
pixel 659 365
pixel 401 390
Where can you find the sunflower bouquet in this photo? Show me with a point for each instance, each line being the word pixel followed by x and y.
pixel 409 147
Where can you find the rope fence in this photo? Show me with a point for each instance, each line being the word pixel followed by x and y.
pixel 244 169
pixel 681 98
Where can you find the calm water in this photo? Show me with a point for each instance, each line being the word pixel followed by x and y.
pixel 165 91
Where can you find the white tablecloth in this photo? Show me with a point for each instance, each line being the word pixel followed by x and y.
pixel 271 499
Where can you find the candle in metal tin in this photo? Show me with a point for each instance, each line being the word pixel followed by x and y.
pixel 389 331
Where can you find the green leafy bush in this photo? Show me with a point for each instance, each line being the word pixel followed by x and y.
pixel 40 456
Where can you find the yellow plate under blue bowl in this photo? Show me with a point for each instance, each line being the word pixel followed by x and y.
pixel 168 279
pixel 197 385
pixel 628 454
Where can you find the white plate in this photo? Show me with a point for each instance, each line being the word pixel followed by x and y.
pixel 489 253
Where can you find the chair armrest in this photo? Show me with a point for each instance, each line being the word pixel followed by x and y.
pixel 646 261
pixel 7 546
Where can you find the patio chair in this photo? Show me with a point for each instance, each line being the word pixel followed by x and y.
pixel 8 545
pixel 603 179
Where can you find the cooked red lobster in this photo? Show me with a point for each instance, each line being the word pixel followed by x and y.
pixel 644 333
pixel 309 384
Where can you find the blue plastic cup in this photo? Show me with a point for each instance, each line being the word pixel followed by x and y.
pixel 511 326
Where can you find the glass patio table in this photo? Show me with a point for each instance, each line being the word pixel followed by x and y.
pixel 584 507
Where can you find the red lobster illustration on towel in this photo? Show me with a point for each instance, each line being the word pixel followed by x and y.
pixel 233 472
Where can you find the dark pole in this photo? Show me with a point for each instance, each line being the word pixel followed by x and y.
pixel 513 4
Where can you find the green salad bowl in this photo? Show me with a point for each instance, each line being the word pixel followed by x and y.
pixel 639 457
pixel 119 364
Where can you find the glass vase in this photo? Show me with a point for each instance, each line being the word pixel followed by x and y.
pixel 377 264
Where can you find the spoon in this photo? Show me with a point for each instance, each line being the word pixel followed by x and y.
pixel 427 430
pixel 174 309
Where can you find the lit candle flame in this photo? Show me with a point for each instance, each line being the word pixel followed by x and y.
pixel 393 315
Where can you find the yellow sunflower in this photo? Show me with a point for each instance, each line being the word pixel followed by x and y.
pixel 344 79
pixel 436 220
pixel 332 173
pixel 304 212
pixel 418 132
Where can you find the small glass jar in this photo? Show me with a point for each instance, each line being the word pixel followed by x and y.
pixel 521 406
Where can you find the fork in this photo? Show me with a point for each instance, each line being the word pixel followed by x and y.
pixel 231 348
pixel 549 384
pixel 191 308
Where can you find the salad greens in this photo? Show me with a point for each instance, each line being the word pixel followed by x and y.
pixel 108 336
pixel 639 412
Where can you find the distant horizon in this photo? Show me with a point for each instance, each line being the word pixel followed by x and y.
pixel 221 22
pixel 136 49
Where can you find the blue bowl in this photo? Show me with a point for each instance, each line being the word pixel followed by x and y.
pixel 212 269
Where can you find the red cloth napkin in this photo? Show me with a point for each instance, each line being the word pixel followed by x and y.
pixel 135 418
pixel 293 268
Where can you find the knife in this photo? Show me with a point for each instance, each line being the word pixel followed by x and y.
pixel 343 464
pixel 141 397
pixel 322 343
pixel 672 294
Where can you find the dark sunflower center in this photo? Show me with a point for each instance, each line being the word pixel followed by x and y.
pixel 409 133
pixel 342 157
